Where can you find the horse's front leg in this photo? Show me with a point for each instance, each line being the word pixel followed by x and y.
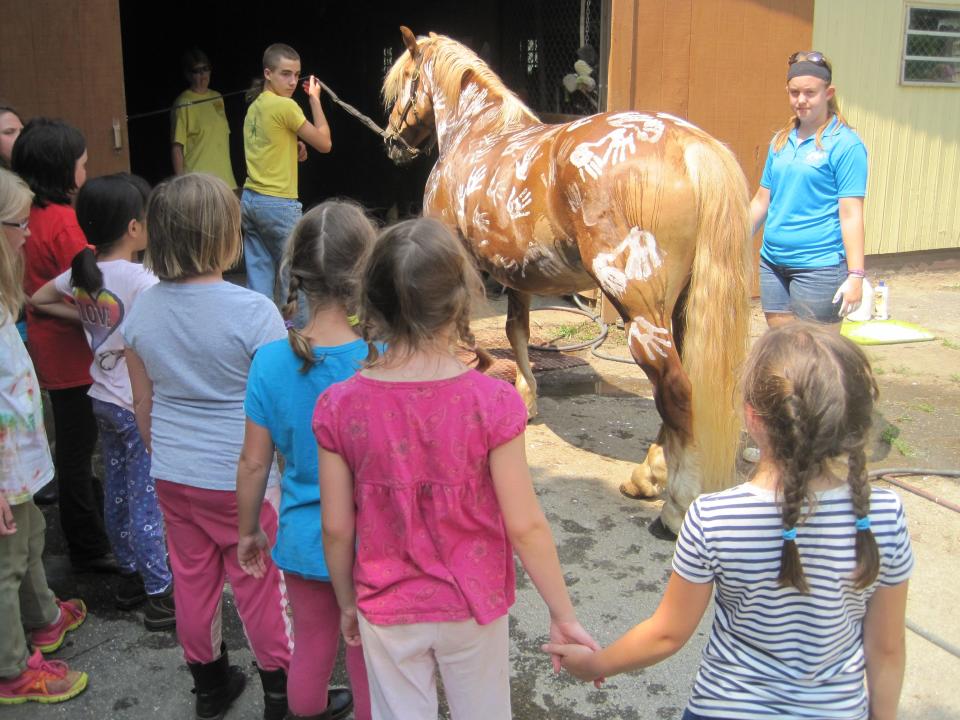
pixel 672 456
pixel 649 477
pixel 518 332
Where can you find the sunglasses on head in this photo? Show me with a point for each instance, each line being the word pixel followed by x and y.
pixel 813 56
pixel 200 69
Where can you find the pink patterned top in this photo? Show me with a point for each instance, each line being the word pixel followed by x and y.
pixel 431 543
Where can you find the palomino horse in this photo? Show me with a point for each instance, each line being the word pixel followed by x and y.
pixel 646 206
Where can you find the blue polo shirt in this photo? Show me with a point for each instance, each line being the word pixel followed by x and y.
pixel 281 399
pixel 806 183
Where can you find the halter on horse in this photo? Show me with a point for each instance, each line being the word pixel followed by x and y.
pixel 646 206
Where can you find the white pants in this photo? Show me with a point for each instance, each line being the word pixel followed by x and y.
pixel 474 662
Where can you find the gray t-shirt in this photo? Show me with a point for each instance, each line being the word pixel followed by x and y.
pixel 197 342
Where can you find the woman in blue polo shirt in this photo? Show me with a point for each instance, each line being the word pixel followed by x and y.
pixel 810 202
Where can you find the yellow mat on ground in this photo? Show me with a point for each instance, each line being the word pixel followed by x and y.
pixel 885 332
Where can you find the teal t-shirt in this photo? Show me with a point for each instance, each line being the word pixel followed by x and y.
pixel 806 183
pixel 281 399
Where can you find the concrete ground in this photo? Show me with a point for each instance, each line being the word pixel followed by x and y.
pixel 596 421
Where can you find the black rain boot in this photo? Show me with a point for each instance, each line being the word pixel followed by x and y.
pixel 339 705
pixel 217 684
pixel 274 693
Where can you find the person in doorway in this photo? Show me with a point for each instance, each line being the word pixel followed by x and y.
pixel 810 202
pixel 10 127
pixel 51 157
pixel 201 134
pixel 808 566
pixel 272 134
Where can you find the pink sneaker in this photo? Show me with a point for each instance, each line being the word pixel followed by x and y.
pixel 72 614
pixel 44 681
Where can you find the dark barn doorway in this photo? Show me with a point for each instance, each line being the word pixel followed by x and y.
pixel 346 45
pixel 530 43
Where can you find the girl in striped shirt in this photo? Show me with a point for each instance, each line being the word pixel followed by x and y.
pixel 808 564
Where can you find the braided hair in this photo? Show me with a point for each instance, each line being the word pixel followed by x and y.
pixel 813 391
pixel 323 258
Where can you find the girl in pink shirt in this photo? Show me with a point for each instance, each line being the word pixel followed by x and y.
pixel 426 491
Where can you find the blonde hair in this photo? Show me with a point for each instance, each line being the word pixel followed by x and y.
pixel 324 256
pixel 193 227
pixel 813 391
pixel 417 282
pixel 833 111
pixel 452 62
pixel 15 200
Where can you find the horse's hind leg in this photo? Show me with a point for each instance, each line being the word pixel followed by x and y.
pixel 518 332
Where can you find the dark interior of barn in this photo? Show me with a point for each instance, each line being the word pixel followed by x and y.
pixel 348 45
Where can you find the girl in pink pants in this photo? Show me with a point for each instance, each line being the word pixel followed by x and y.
pixel 287 376
pixel 190 340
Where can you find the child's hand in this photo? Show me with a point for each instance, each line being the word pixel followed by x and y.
pixel 301 151
pixel 570 633
pixel 578 660
pixel 350 627
pixel 7 525
pixel 251 553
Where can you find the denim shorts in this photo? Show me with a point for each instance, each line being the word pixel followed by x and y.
pixel 805 292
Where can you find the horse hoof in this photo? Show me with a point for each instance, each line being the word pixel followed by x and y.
pixel 631 491
pixel 661 531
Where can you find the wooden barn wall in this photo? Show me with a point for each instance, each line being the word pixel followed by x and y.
pixel 62 59
pixel 912 133
pixel 721 64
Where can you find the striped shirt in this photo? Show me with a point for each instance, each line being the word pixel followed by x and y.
pixel 774 652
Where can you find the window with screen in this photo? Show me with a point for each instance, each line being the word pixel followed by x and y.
pixel 931 48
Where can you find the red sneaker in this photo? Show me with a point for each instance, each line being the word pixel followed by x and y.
pixel 72 614
pixel 44 681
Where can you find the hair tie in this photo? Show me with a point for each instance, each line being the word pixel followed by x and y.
pixel 288 324
pixel 790 534
pixel 863 523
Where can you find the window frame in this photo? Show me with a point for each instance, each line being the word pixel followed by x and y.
pixel 907 32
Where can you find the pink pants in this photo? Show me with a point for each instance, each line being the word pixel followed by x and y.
pixel 316 626
pixel 202 542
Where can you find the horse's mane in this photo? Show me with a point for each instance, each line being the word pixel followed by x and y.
pixel 451 62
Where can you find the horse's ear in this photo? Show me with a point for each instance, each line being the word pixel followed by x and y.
pixel 410 41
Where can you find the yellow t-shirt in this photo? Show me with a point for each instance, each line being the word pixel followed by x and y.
pixel 205 135
pixel 270 144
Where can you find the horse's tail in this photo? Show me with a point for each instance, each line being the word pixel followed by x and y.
pixel 717 311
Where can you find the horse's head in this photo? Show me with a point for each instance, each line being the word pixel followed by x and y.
pixel 407 89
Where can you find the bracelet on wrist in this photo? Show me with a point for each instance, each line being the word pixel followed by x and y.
pixel 857 273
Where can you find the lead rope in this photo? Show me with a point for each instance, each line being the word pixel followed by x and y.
pixel 416 152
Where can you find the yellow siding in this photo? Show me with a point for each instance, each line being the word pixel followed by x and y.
pixel 912 133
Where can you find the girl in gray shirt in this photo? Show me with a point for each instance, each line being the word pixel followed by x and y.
pixel 189 344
